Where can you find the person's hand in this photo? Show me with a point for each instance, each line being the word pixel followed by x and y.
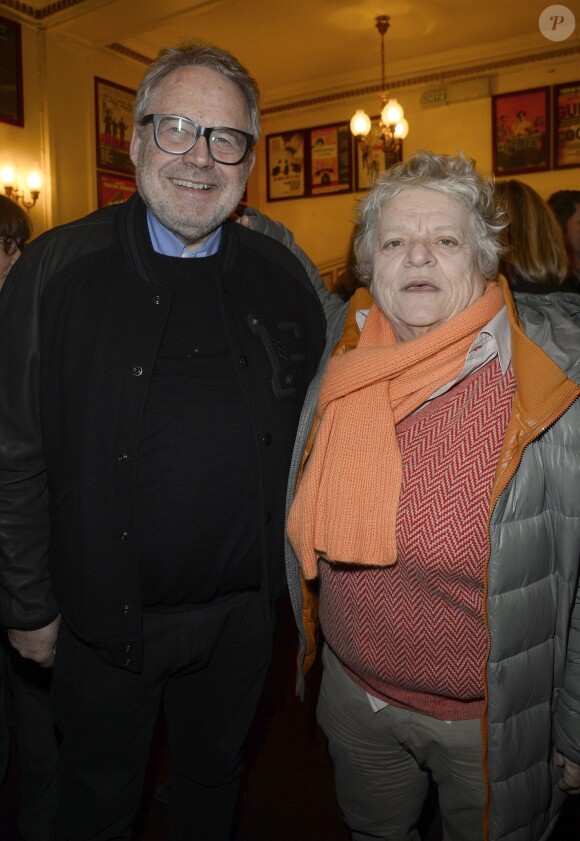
pixel 570 780
pixel 39 645
pixel 242 218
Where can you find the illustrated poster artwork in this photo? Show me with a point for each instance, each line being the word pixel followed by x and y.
pixel 286 166
pixel 567 125
pixel 114 114
pixel 330 160
pixel 521 131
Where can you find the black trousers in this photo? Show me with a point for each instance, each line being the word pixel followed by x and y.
pixel 28 686
pixel 207 667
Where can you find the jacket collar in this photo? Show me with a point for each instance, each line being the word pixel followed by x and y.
pixel 133 234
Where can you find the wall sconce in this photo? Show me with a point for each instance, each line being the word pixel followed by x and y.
pixel 14 190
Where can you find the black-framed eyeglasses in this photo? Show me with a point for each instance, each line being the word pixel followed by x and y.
pixel 11 245
pixel 178 135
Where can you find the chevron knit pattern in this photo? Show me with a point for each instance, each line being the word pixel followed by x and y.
pixel 413 634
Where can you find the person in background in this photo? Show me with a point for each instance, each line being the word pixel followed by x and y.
pixel 565 205
pixel 15 230
pixel 24 685
pixel 534 258
pixel 157 355
pixel 439 509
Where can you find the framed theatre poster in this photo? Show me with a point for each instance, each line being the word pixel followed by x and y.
pixel 567 125
pixel 521 131
pixel 330 168
pixel 114 118
pixel 285 163
pixel 371 158
pixel 114 189
pixel 11 100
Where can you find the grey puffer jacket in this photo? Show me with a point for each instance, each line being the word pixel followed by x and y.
pixel 532 595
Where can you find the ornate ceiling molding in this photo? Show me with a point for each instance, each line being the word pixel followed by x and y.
pixel 42 13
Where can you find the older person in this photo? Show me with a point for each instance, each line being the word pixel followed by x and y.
pixel 156 356
pixel 439 508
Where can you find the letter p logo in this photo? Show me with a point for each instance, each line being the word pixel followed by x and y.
pixel 557 23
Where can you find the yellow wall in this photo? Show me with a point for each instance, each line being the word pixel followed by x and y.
pixel 59 115
pixel 59 135
pixel 322 225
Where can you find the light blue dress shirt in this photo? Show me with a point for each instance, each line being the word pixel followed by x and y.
pixel 165 242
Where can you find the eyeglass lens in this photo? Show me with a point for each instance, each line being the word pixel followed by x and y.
pixel 10 245
pixel 177 135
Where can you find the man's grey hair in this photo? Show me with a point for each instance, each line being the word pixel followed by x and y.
pixel 453 175
pixel 198 54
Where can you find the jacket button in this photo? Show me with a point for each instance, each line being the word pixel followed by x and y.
pixel 128 662
pixel 266 439
pixel 126 609
pixel 137 371
pixel 127 649
pixel 268 518
pixel 122 457
pixel 244 361
pixel 124 535
pixel 289 379
pixel 157 299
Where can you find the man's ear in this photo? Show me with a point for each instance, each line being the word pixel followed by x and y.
pixel 251 161
pixel 135 145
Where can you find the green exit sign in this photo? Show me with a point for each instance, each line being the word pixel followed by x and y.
pixel 434 97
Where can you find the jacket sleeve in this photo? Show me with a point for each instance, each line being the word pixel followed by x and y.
pixel 566 736
pixel 26 602
pixel 331 303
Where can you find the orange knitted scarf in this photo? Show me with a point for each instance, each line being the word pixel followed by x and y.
pixel 346 505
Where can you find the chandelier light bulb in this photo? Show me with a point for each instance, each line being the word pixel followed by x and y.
pixel 392 113
pixel 360 124
pixel 402 129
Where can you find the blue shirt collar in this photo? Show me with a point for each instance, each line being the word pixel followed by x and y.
pixel 165 242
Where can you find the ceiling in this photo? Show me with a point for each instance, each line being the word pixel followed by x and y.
pixel 302 47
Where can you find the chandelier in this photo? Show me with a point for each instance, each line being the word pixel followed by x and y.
pixel 393 127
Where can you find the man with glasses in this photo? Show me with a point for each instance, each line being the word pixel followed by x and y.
pixel 15 229
pixel 157 383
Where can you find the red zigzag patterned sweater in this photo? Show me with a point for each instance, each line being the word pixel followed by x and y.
pixel 412 634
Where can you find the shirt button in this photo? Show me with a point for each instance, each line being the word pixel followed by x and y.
pixel 137 371
pixel 124 535
pixel 266 439
pixel 244 361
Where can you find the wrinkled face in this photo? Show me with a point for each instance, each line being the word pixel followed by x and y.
pixel 6 263
pixel 425 267
pixel 191 194
pixel 573 235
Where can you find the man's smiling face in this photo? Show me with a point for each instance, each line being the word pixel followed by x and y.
pixel 191 194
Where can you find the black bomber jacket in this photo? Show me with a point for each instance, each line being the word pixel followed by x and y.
pixel 81 319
